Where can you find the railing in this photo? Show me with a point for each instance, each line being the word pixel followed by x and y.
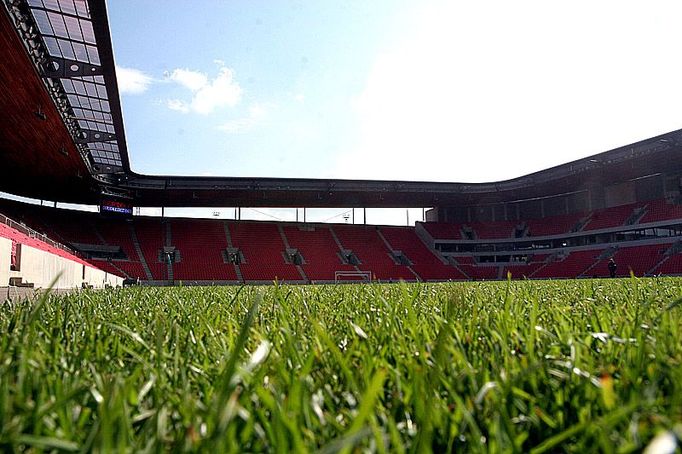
pixel 37 235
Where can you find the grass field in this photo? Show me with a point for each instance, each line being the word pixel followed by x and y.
pixel 570 366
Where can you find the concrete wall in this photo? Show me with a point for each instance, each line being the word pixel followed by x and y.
pixel 5 251
pixel 41 268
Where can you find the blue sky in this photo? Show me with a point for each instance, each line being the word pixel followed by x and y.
pixel 262 88
pixel 430 90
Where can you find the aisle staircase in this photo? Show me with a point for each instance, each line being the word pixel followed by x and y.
pixel 672 250
pixel 228 237
pixel 138 249
pixel 607 254
pixel 285 240
pixel 168 243
pixel 113 264
pixel 342 249
pixel 390 248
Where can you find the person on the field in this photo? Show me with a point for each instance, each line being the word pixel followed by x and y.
pixel 612 267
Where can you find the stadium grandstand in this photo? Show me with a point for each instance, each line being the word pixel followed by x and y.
pixel 62 139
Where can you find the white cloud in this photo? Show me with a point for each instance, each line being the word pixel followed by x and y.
pixel 208 95
pixel 479 91
pixel 257 112
pixel 193 80
pixel 132 81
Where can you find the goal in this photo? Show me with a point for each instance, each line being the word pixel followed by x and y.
pixel 352 276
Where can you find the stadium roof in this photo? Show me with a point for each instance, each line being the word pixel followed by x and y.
pixel 62 136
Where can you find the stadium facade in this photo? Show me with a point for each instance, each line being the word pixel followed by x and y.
pixel 62 138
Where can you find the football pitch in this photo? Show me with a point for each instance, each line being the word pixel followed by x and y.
pixel 518 366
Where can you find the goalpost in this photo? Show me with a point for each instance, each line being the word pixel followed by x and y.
pixel 352 276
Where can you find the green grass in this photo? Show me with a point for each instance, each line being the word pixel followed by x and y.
pixel 516 366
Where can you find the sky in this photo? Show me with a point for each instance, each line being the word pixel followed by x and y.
pixel 374 216
pixel 391 89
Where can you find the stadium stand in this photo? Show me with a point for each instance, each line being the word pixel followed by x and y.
pixel 110 268
pixel 465 260
pixel 135 247
pixel 425 262
pixel 640 259
pixel 264 252
pixel 671 266
pixel 490 230
pixel 201 246
pixel 116 233
pixel 611 217
pixel 443 231
pixel 372 252
pixel 554 225
pixel 148 236
pixel 573 265
pixel 527 269
pixel 319 251
pixel 522 271
pixel 487 272
pixel 654 211
pixel 661 210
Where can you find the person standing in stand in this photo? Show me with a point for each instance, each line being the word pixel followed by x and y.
pixel 612 267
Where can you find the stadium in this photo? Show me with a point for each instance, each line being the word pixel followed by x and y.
pixel 62 139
